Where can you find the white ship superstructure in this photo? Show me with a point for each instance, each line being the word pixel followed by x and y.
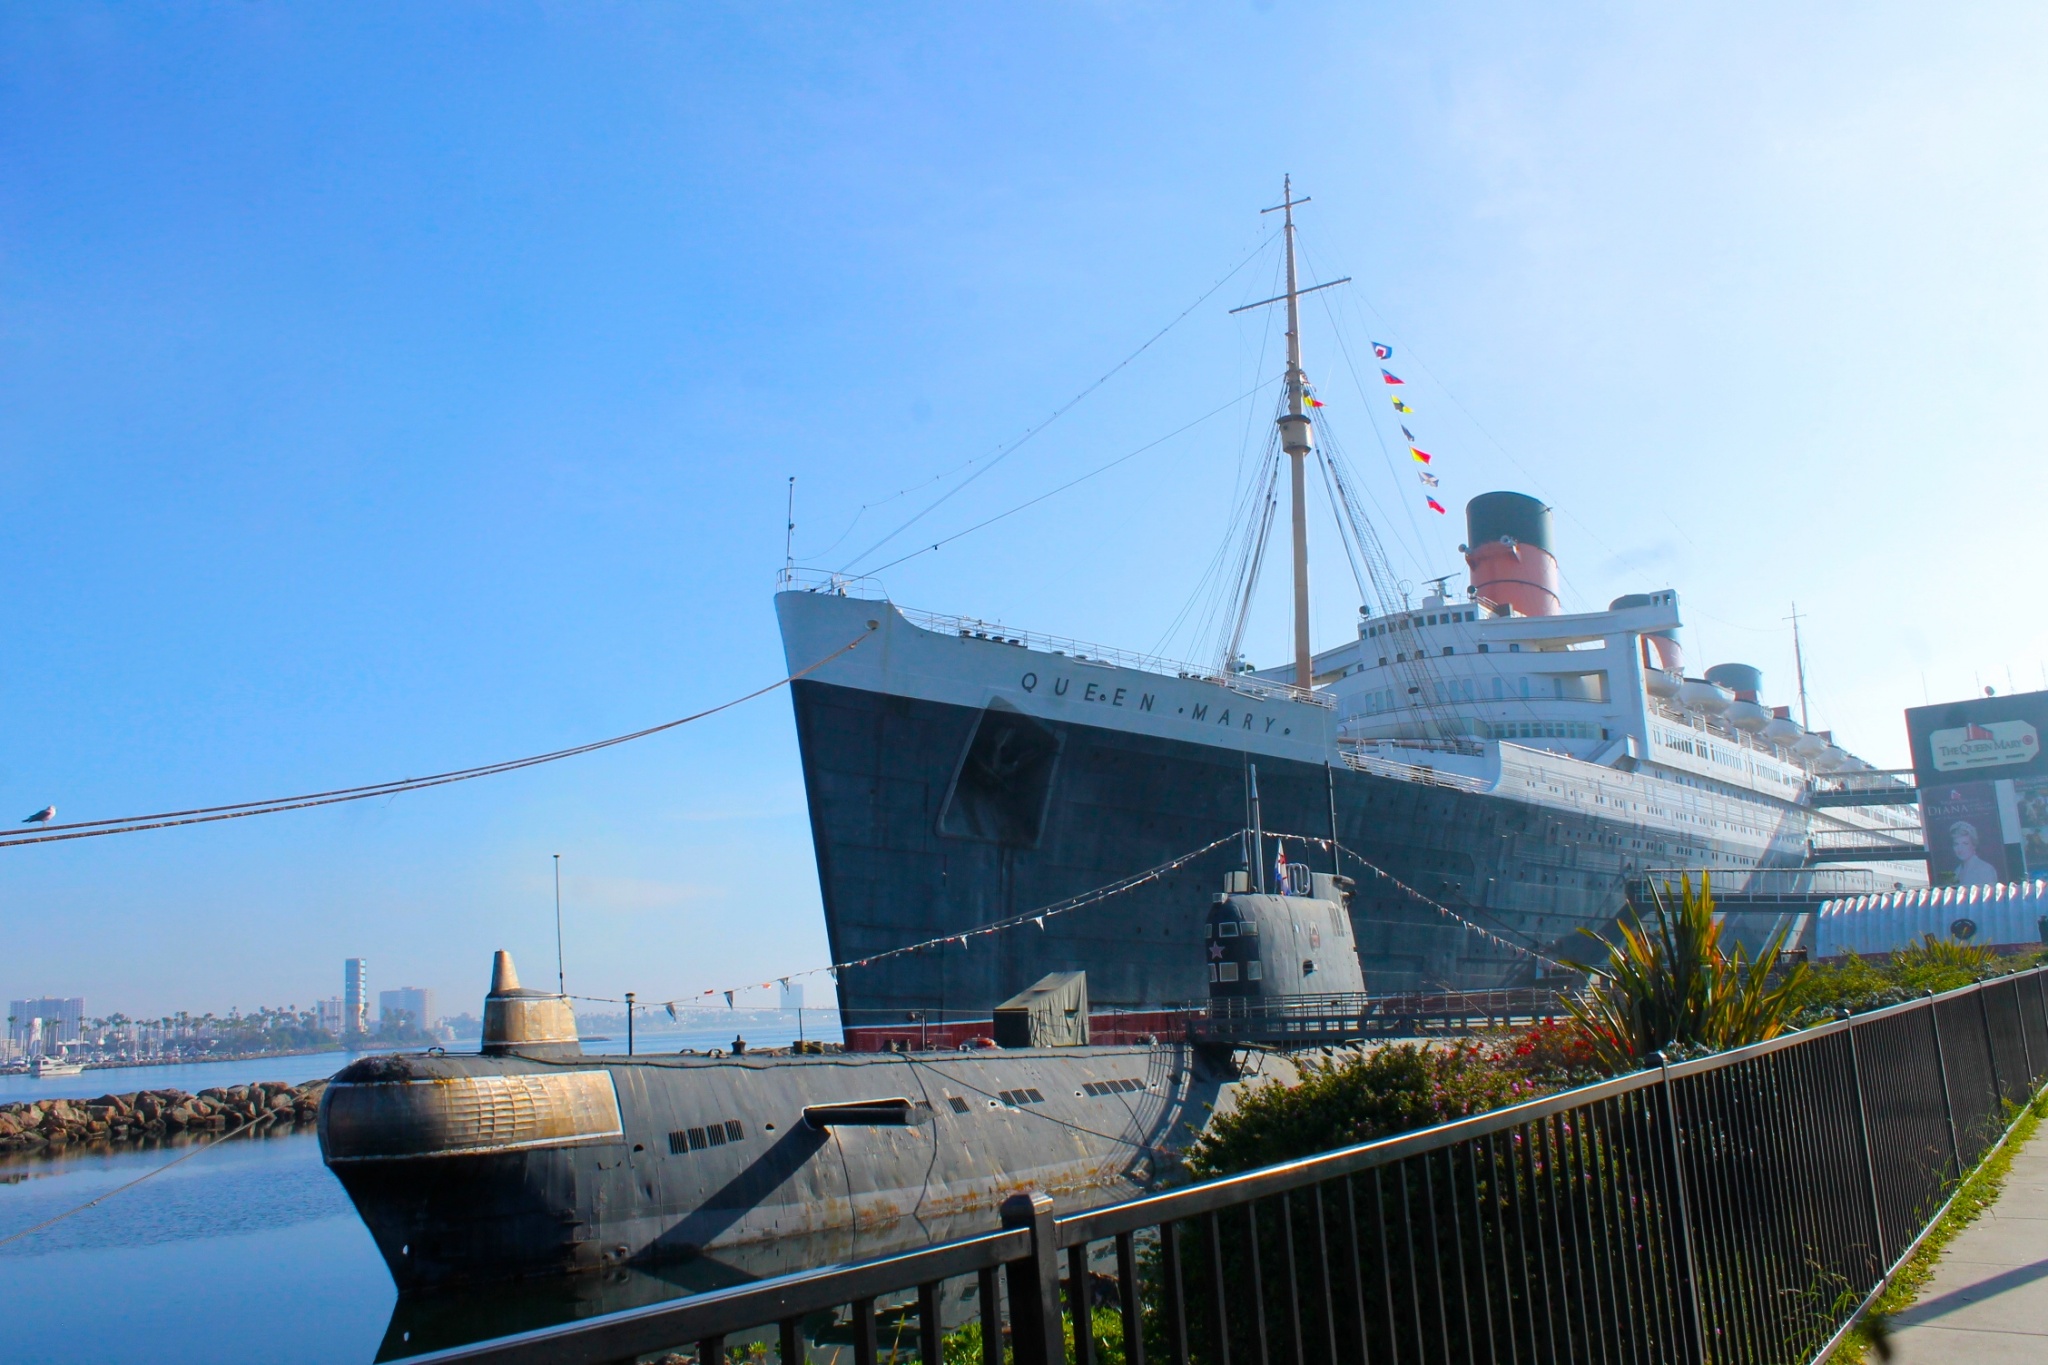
pixel 1509 765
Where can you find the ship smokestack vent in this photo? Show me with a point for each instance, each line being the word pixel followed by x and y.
pixel 1508 552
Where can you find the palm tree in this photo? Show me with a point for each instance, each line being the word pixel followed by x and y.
pixel 1675 985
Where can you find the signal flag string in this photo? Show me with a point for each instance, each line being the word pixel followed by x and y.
pixel 1037 917
pixel 1437 906
pixel 1082 901
pixel 90 829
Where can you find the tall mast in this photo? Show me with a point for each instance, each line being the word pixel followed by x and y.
pixel 1296 436
pixel 1799 661
pixel 1297 439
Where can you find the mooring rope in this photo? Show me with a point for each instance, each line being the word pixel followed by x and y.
pixel 89 829
pixel 247 1124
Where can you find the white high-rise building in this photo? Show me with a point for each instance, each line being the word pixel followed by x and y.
pixel 355 995
pixel 406 1007
pixel 63 1019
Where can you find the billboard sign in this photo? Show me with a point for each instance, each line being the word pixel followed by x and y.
pixel 1965 835
pixel 1983 787
pixel 1999 734
pixel 1997 745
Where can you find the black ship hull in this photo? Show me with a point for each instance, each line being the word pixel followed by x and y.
pixel 932 819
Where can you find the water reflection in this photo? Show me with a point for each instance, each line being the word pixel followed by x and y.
pixel 436 1319
pixel 251 1249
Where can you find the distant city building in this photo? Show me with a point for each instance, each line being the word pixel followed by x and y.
pixel 792 995
pixel 327 1014
pixel 63 1020
pixel 355 995
pixel 408 1006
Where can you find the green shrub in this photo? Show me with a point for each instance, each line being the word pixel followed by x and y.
pixel 1672 984
pixel 1352 1099
pixel 1857 984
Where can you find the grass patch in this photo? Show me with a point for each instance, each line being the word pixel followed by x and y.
pixel 1978 1191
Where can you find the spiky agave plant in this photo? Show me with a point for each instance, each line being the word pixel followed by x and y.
pixel 1672 983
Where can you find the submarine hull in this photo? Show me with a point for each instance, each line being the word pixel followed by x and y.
pixel 473 1168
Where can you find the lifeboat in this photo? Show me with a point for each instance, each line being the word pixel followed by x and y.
pixel 1809 746
pixel 1659 683
pixel 1831 758
pixel 1748 716
pixel 1781 732
pixel 1697 694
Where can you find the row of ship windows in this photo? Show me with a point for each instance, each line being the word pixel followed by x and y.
pixel 1227 971
pixel 1577 687
pixel 1402 656
pixel 1433 619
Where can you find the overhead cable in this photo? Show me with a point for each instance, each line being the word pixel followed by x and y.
pixel 89 829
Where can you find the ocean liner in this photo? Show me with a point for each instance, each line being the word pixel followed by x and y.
pixel 1511 766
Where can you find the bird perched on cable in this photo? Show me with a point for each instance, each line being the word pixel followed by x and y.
pixel 41 817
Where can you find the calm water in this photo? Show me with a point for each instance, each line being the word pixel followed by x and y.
pixel 251 1250
pixel 249 1247
pixel 191 1077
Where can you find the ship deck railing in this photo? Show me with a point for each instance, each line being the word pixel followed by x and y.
pixel 1426 774
pixel 1080 651
pixel 1657 1215
pixel 1313 1019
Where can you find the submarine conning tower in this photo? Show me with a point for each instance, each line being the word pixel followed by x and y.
pixel 1273 948
pixel 1508 551
pixel 526 1022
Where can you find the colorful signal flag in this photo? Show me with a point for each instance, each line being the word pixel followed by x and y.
pixel 1421 455
pixel 1434 505
pixel 1428 479
pixel 1382 350
pixel 1400 406
pixel 1389 376
pixel 1311 400
pixel 1408 435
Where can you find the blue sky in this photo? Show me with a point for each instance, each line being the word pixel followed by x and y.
pixel 388 388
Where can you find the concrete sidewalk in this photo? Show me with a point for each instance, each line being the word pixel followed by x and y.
pixel 1988 1300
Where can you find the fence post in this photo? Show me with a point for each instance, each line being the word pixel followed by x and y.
pixel 1035 1284
pixel 1955 1147
pixel 1991 1051
pixel 1689 1290
pixel 2040 989
pixel 1869 1156
pixel 2026 1048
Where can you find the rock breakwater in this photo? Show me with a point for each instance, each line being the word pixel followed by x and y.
pixel 152 1115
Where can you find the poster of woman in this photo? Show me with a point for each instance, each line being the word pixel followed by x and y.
pixel 1961 823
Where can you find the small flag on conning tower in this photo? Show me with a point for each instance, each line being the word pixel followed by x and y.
pixel 1434 505
pixel 1382 350
pixel 1389 376
pixel 1421 455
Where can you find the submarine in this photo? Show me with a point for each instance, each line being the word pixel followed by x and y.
pixel 531 1157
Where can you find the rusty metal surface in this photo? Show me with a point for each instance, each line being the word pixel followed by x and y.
pixel 713 1154
pixel 437 1116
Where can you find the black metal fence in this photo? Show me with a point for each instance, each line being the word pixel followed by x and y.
pixel 1736 1208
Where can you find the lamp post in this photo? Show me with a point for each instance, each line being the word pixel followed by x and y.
pixel 629 1023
